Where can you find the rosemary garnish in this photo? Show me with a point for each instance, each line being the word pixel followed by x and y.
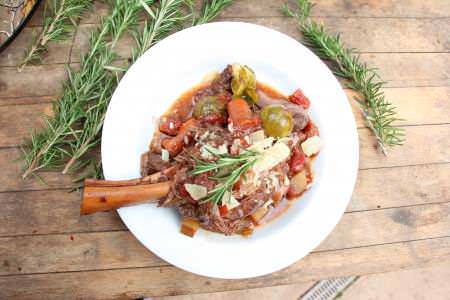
pixel 379 114
pixel 60 18
pixel 227 170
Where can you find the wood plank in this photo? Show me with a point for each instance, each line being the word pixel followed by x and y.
pixel 416 106
pixel 397 187
pixel 339 8
pixel 422 142
pixel 31 82
pixel 365 35
pixel 331 8
pixel 110 250
pixel 18 121
pixel 373 34
pixel 161 281
pixel 291 291
pixel 57 211
pixel 27 100
pixel 411 69
pixel 12 169
pixel 58 52
pixel 375 227
pixel 50 211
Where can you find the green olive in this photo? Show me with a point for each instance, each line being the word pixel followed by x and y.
pixel 208 105
pixel 276 121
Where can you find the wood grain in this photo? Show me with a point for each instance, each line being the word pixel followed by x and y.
pixel 330 8
pixel 160 281
pixel 50 211
pixel 12 169
pixel 416 106
pixel 57 211
pixel 339 8
pixel 27 100
pixel 366 35
pixel 58 52
pixel 423 143
pixel 110 250
pixel 401 186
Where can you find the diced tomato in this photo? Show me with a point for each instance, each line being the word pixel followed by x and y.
pixel 297 160
pixel 310 130
pixel 170 125
pixel 299 98
pixel 182 191
pixel 223 210
pixel 292 193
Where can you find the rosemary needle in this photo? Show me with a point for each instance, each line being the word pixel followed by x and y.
pixel 59 19
pixel 379 114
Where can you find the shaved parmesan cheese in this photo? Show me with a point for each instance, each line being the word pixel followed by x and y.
pixel 262 145
pixel 196 191
pixel 257 136
pixel 165 156
pixel 215 210
pixel 285 140
pixel 271 157
pixel 229 201
pixel 208 152
pixel 312 145
pixel 247 139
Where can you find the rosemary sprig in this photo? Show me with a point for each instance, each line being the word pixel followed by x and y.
pixel 227 170
pixel 48 147
pixel 379 114
pixel 58 24
pixel 163 20
pixel 210 10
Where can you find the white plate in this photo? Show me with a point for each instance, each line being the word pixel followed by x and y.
pixel 180 62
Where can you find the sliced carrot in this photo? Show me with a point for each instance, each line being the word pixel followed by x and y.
pixel 239 112
pixel 175 144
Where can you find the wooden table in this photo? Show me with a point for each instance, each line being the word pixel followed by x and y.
pixel 398 217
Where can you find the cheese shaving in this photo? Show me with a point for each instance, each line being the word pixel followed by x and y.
pixel 165 156
pixel 271 157
pixel 229 201
pixel 196 191
pixel 262 145
pixel 312 145
pixel 257 136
